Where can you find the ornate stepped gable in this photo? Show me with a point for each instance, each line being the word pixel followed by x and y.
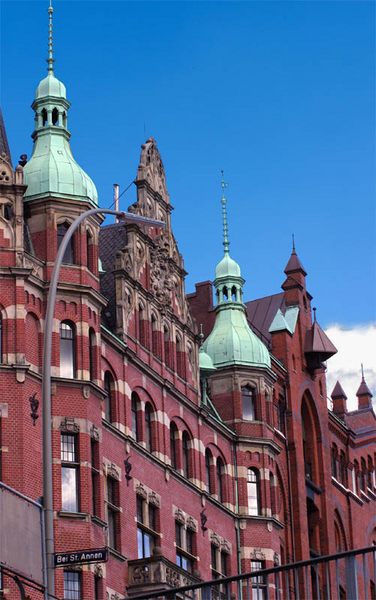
pixel 149 256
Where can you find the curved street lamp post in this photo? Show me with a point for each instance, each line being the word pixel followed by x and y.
pixel 46 384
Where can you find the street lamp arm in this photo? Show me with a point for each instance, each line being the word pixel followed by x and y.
pixel 46 381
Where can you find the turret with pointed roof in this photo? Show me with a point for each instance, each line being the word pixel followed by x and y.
pixel 339 399
pixel 364 394
pixel 52 170
pixel 232 342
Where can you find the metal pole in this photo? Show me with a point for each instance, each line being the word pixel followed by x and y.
pixel 46 383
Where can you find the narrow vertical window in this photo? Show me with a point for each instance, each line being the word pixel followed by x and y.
pixel 72 585
pixel 69 473
pixel 214 561
pixel 184 538
pixel 95 476
pixel 248 401
pixel 1 339
pixel 334 461
pixel 134 410
pixel 62 229
pixel 208 463
pixel 146 527
pixel 148 427
pixel 253 490
pixel 272 494
pixel 281 415
pixel 185 448
pixel 155 337
pixel 89 251
pixel 167 353
pixel 258 582
pixel 67 350
pixel 180 358
pixel 113 512
pixel 109 397
pixel 92 354
pixel 173 442
pixel 220 479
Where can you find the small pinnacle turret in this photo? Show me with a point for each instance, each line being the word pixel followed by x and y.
pixel 364 394
pixel 232 341
pixel 52 171
pixel 339 399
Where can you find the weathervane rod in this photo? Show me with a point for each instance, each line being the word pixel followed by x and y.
pixel 226 242
pixel 50 59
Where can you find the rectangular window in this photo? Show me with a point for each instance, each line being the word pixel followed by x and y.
pixel 113 514
pixel 258 582
pixel 146 527
pixel 72 585
pixel 69 473
pixel 184 547
pixel 95 476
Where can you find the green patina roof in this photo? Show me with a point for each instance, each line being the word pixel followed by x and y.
pixel 205 362
pixel 52 170
pixel 232 341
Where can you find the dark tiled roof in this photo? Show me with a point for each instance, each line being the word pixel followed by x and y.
pixel 112 238
pixel 261 313
pixel 294 264
pixel 4 146
pixel 318 342
pixel 364 390
pixel 338 392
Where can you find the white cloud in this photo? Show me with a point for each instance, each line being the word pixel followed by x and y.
pixel 355 345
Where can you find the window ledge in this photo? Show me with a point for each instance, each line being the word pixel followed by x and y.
pixel 355 497
pixel 117 554
pixel 364 496
pixel 72 515
pixel 371 493
pixel 98 521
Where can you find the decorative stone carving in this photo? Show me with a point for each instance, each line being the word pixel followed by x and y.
pixel 257 554
pixel 141 491
pixel 225 546
pixel 215 540
pixel 68 424
pixel 141 574
pixel 113 471
pixel 94 433
pixel 154 499
pixel 191 524
pixel 179 516
pixel 160 275
pixel 98 571
pixel 151 169
pixel 172 577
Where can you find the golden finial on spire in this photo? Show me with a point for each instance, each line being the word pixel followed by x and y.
pixel 50 59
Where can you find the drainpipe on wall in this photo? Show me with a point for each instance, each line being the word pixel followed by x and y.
pixel 237 520
pixel 289 483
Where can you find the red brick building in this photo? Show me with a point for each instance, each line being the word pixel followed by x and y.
pixel 187 463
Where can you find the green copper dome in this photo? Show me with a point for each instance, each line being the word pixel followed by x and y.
pixel 232 341
pixel 52 170
pixel 205 362
pixel 50 86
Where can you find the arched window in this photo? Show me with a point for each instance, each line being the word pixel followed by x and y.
pixel 208 478
pixel 356 476
pixel 142 325
pixel 62 229
pixel 248 403
pixel 109 400
pixel 92 354
pixel 148 427
pixel 342 468
pixel 64 119
pixel 334 458
pixel 234 293
pixel 135 403
pixel 67 350
pixel 253 492
pixel 44 117
pixel 55 116
pixel 363 475
pixel 173 443
pixel 180 355
pixel 155 342
pixel 167 349
pixel 273 504
pixel 310 436
pixel 185 448
pixel 32 351
pixel 89 251
pixel 220 479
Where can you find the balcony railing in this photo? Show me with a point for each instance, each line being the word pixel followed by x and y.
pixel 349 575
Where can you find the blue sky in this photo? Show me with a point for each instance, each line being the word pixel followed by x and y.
pixel 281 95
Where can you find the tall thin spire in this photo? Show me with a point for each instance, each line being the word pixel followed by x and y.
pixel 293 244
pixel 50 59
pixel 226 242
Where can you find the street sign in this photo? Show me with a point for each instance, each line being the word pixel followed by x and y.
pixel 79 557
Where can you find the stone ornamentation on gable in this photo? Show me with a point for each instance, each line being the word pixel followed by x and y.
pixel 160 275
pixel 151 169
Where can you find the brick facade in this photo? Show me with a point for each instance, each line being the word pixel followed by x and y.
pixel 134 415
